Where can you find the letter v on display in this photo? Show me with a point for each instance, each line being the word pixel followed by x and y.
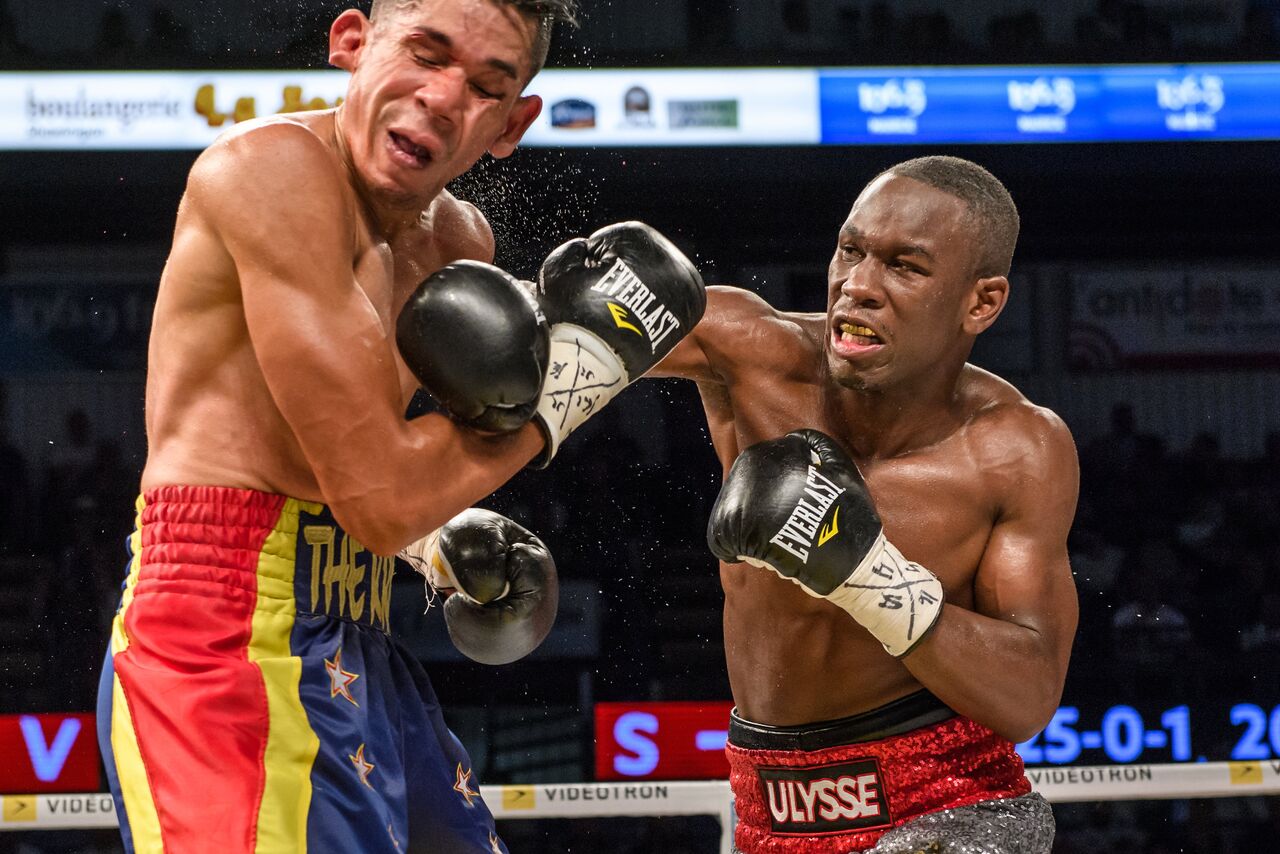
pixel 48 759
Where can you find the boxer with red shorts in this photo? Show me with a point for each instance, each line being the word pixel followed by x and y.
pixel 892 535
pixel 847 785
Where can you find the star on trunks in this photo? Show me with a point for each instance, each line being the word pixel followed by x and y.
pixel 363 768
pixel 339 679
pixel 463 786
pixel 494 844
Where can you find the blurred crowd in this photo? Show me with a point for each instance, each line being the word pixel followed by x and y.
pixel 63 522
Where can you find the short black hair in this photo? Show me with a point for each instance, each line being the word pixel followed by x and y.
pixel 547 12
pixel 990 205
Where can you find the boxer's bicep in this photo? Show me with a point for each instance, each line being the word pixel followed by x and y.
pixel 324 354
pixel 709 352
pixel 1025 577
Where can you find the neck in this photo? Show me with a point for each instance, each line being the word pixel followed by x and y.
pixel 390 218
pixel 889 422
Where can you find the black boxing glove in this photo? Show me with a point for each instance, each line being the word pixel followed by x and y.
pixel 478 342
pixel 798 506
pixel 506 589
pixel 617 301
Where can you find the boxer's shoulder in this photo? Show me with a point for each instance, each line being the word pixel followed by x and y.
pixel 1017 443
pixel 457 230
pixel 268 166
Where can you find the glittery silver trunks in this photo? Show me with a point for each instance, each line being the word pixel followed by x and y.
pixel 1021 825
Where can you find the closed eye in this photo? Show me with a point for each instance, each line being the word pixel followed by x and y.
pixel 849 252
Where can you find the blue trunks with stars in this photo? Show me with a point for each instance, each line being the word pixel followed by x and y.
pixel 254 700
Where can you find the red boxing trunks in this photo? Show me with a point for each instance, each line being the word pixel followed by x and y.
pixel 838 786
pixel 253 699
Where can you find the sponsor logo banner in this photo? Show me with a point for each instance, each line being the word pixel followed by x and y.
pixel 1171 318
pixel 676 107
pixel 1050 104
pixel 91 325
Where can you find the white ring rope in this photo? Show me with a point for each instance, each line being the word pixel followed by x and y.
pixel 711 797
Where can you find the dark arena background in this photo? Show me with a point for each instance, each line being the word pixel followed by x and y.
pixel 1141 142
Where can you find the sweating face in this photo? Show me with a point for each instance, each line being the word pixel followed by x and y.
pixel 434 85
pixel 897 284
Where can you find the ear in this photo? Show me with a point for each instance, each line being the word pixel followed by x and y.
pixel 522 115
pixel 347 38
pixel 987 299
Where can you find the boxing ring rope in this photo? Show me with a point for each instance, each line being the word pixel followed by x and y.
pixel 711 797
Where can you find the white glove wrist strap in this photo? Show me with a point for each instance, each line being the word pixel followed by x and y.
pixel 426 559
pixel 896 600
pixel 583 376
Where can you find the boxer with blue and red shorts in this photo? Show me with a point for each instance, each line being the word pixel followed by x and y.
pixel 320 274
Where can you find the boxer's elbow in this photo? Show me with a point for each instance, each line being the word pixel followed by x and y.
pixel 385 523
pixel 373 528
pixel 1027 716
pixel 377 519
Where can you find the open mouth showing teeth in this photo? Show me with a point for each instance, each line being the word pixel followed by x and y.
pixel 852 333
pixel 417 152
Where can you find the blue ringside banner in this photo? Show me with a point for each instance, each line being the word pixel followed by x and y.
pixel 1049 104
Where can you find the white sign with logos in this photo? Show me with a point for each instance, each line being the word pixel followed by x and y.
pixel 730 106
pixel 187 110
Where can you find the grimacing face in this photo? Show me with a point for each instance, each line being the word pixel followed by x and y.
pixel 434 86
pixel 899 285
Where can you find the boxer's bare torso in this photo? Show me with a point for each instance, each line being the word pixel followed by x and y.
pixel 211 417
pixel 794 659
pixel 272 362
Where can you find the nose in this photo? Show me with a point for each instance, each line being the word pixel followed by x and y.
pixel 442 94
pixel 862 284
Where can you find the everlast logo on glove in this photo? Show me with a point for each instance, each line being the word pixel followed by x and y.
pixel 802 525
pixel 621 283
pixel 825 798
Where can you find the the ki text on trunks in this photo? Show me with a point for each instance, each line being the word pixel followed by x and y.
pixel 347 580
pixel 805 522
pixel 622 284
pixel 825 798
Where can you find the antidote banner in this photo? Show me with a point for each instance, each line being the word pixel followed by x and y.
pixel 1174 318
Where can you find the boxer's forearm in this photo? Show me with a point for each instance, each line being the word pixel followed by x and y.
pixel 1004 676
pixel 421 476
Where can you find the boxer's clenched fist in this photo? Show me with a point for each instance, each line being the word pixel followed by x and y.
pixel 798 506
pixel 506 592
pixel 477 341
pixel 617 301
